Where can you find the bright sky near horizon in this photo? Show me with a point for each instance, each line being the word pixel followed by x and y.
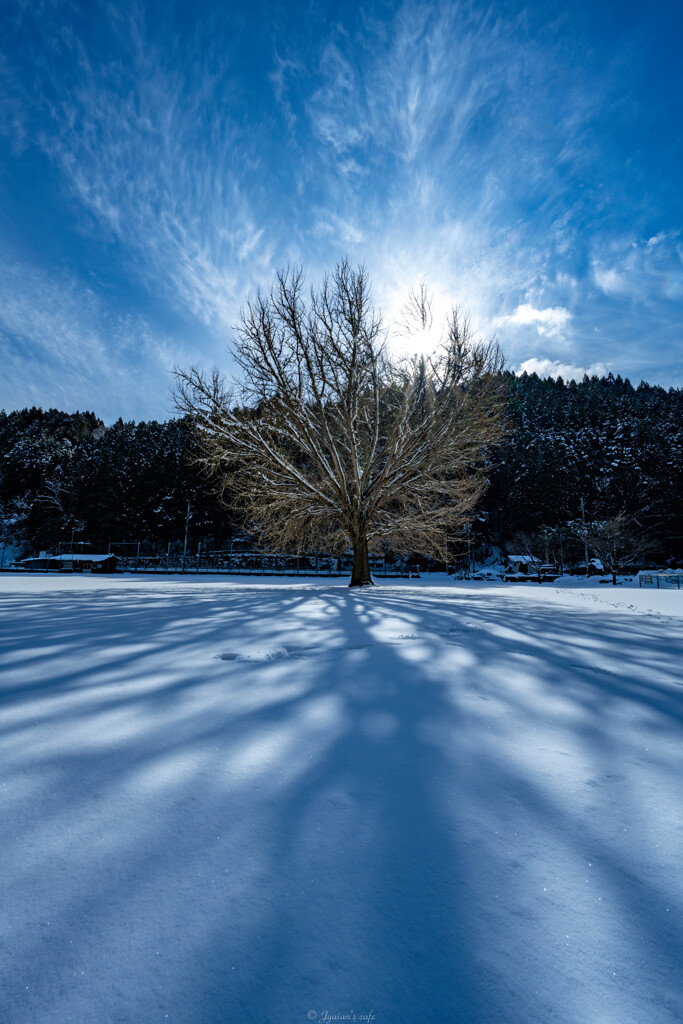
pixel 159 161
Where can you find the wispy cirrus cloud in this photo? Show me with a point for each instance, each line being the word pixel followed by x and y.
pixel 478 148
pixel 428 107
pixel 62 347
pixel 639 270
pixel 609 280
pixel 150 148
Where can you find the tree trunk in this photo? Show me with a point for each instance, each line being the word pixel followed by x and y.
pixel 614 577
pixel 360 575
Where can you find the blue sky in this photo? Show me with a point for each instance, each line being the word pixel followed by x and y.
pixel 160 161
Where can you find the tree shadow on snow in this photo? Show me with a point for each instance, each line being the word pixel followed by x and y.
pixel 248 804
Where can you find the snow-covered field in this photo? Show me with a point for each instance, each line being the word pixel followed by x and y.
pixel 261 801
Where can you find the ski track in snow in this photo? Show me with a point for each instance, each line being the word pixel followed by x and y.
pixel 260 802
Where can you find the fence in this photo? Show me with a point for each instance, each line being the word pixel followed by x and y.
pixel 240 561
pixel 253 563
pixel 238 557
pixel 660 579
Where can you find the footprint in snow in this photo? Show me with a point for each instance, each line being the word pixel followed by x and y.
pixel 256 655
pixel 275 653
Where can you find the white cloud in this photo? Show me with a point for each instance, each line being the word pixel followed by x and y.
pixel 656 240
pixel 610 281
pixel 553 368
pixel 550 321
pixel 640 271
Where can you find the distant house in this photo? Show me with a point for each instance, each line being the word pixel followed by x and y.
pixel 521 567
pixel 71 563
pixel 523 563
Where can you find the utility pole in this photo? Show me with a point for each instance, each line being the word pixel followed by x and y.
pixel 585 543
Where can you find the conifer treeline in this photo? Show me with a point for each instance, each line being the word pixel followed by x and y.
pixel 617 447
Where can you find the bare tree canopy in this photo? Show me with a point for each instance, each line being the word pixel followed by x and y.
pixel 618 542
pixel 329 442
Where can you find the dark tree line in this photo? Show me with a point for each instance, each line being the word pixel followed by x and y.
pixel 67 476
pixel 601 442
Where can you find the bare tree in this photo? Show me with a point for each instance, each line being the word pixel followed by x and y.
pixel 327 442
pixel 13 517
pixel 617 542
pixel 544 549
pixel 534 545
pixel 59 499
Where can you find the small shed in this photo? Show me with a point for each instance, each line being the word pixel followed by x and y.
pixel 523 563
pixel 526 567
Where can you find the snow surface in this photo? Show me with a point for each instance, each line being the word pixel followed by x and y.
pixel 263 801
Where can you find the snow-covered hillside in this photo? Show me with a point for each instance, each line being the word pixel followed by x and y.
pixel 262 801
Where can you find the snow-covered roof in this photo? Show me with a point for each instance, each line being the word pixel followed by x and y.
pixel 71 558
pixel 520 558
pixel 85 558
